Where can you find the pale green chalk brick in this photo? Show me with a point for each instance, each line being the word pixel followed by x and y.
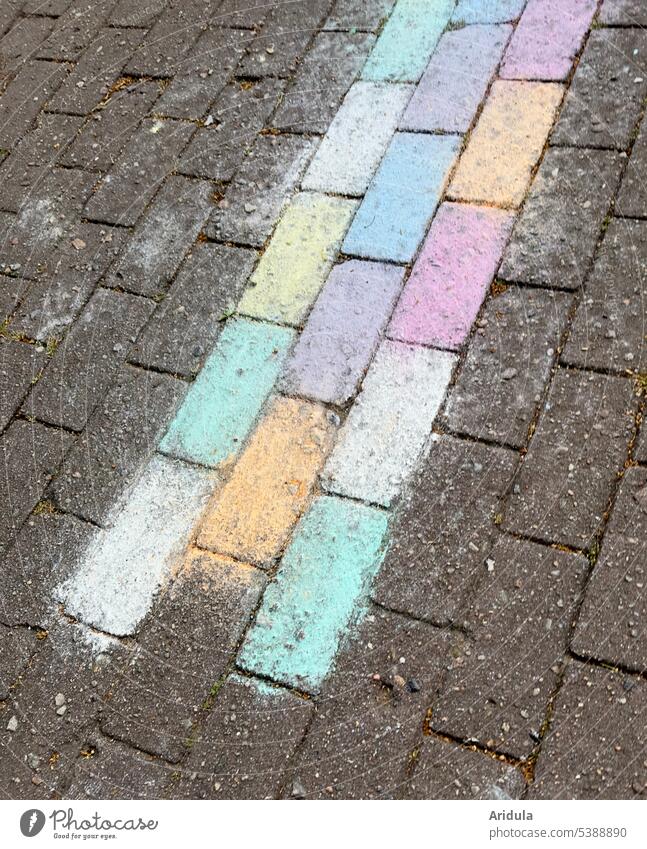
pixel 408 39
pixel 220 408
pixel 298 258
pixel 320 593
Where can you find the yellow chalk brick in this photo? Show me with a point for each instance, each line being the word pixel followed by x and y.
pixel 250 519
pixel 507 143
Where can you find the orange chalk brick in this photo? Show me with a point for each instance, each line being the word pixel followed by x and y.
pixel 250 519
pixel 507 143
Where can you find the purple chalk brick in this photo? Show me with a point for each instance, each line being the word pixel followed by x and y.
pixel 548 35
pixel 457 263
pixel 343 331
pixel 456 79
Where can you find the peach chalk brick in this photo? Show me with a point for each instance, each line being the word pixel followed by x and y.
pixel 271 483
pixel 507 143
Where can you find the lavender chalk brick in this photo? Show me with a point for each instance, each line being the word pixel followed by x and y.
pixel 456 79
pixel 343 331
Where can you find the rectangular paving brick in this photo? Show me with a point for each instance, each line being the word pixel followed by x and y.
pixel 451 276
pixel 342 332
pixel 239 114
pixel 502 679
pixel 507 143
pixel 98 68
pixel 623 13
pixel 12 291
pixel 446 98
pixel 252 516
pixel 632 197
pixel 200 618
pixel 595 745
pixel 17 646
pixel 370 715
pixel 126 14
pixel 323 577
pixel 323 78
pixel 119 437
pixel 557 232
pixel 84 365
pixel 75 29
pixel 117 576
pixel 226 397
pixel 574 458
pixel 390 423
pixel 162 239
pixel 20 367
pixel 262 185
pixel 402 198
pixel 186 324
pixel 508 365
pixel 547 39
pixel 297 261
pixel 151 155
pixel 31 453
pixel 24 98
pixel 605 98
pixel 487 11
pixel 364 17
pixel 443 531
pixel 608 331
pixel 21 42
pixel 241 13
pixel 611 625
pixel 252 763
pixel 366 121
pixel 407 40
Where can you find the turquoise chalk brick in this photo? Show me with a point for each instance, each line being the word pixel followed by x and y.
pixel 407 41
pixel 319 592
pixel 226 397
pixel 401 200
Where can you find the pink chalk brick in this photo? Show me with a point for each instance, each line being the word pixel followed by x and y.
pixel 547 38
pixel 449 281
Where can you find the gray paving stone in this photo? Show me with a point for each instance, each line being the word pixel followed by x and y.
pixel 84 365
pixel 507 366
pixel 580 446
pixel 322 80
pixel 12 290
pixel 519 622
pixel 447 771
pixel 632 197
pixel 121 434
pixel 25 96
pixel 124 193
pixel 128 14
pixel 441 535
pixel 8 13
pixel 241 13
pixel 241 111
pixel 186 324
pixel 555 237
pixel 597 742
pixel 53 8
pixel 608 331
pixel 264 182
pixel 75 29
pixel 20 367
pixel 17 645
pixel 21 42
pixel 368 15
pixel 623 12
pixel 611 626
pixel 164 236
pixel 284 37
pixel 106 133
pixel 370 715
pixel 245 746
pixel 30 455
pixel 187 640
pixel 605 98
pixel 640 448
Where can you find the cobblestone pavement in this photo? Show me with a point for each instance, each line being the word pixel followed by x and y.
pixel 322 369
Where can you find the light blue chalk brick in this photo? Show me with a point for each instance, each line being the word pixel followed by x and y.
pixel 487 11
pixel 401 200
pixel 226 397
pixel 408 39
pixel 319 592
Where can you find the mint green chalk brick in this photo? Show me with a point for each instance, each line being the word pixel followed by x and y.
pixel 220 408
pixel 320 591
pixel 408 39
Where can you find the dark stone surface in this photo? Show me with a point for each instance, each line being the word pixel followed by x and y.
pixel 75 29
pixel 143 14
pixel 632 198
pixel 17 645
pixel 580 446
pixel 12 291
pixel 21 42
pixel 555 237
pixel 443 530
pixel 605 98
pixel 19 106
pixel 367 15
pixel 608 331
pixel 20 367
pixel 595 748
pixel 623 12
pixel 519 621
pixel 242 13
